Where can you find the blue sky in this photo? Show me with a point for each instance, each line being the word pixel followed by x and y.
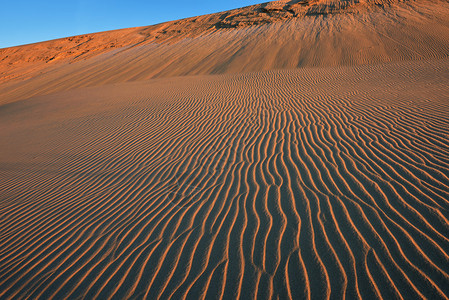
pixel 24 22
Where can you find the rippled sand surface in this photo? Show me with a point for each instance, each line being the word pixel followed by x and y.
pixel 120 178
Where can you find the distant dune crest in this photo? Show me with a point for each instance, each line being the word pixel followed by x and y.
pixel 86 45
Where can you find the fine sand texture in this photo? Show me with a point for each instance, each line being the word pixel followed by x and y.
pixel 288 150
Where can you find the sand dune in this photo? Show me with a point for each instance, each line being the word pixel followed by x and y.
pixel 369 35
pixel 267 175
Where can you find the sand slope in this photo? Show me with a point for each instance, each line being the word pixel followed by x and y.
pixel 367 35
pixel 120 180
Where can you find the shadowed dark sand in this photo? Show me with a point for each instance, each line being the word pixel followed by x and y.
pixel 314 182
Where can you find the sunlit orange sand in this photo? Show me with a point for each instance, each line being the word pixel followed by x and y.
pixel 283 150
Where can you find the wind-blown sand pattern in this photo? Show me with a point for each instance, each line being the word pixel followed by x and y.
pixel 317 182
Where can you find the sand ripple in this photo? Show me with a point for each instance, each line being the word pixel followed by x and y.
pixel 327 182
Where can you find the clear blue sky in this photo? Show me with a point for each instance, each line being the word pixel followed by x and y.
pixel 29 21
